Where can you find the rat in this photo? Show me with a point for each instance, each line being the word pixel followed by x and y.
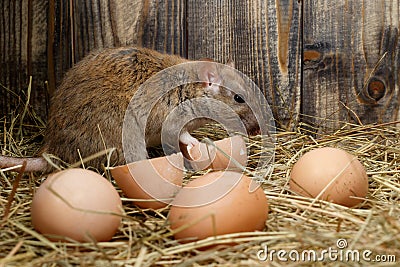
pixel 87 110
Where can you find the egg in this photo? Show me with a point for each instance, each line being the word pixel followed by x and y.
pixel 217 203
pixel 77 204
pixel 152 183
pixel 330 174
pixel 204 155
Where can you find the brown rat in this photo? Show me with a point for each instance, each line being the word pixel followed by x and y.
pixel 87 111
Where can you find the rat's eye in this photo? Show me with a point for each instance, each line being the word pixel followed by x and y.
pixel 238 98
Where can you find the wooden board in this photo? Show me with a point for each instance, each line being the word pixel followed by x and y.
pixel 23 27
pixel 263 39
pixel 263 43
pixel 351 62
pixel 329 60
pixel 83 26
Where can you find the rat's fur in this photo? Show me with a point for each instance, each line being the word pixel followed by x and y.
pixel 87 111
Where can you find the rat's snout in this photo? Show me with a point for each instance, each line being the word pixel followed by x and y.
pixel 251 124
pixel 255 130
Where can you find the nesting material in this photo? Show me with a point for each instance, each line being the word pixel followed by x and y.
pixel 294 222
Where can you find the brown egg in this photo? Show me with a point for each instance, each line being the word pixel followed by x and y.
pixel 152 183
pixel 206 155
pixel 77 204
pixel 218 203
pixel 336 173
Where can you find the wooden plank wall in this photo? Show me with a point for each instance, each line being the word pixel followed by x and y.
pixel 326 60
pixel 351 61
pixel 263 39
pixel 23 43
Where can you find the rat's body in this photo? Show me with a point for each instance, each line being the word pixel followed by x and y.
pixel 87 110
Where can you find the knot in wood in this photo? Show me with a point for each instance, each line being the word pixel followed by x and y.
pixel 376 89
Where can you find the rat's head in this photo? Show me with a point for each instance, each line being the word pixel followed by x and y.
pixel 226 85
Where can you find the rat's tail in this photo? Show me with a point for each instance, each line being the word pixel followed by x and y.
pixel 32 164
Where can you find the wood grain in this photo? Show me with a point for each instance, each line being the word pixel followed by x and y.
pixel 351 62
pixel 84 26
pixel 78 27
pixel 22 54
pixel 164 28
pixel 111 23
pixel 263 39
pixel 330 61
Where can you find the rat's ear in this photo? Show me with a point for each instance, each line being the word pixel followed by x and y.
pixel 230 63
pixel 209 77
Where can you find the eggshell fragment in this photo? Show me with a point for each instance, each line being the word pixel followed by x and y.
pixel 217 203
pixel 206 155
pixel 152 183
pixel 235 147
pixel 345 175
pixel 201 156
pixel 77 204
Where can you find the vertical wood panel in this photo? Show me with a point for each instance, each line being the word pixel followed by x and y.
pixel 22 53
pixel 164 26
pixel 83 26
pixel 89 25
pixel 262 37
pixel 59 44
pixel 351 48
pixel 351 62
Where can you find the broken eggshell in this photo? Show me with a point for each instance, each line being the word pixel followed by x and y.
pixel 152 183
pixel 204 155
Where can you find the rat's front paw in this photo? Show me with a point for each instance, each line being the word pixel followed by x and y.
pixel 188 140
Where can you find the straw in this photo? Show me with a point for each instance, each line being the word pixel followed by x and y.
pixel 295 223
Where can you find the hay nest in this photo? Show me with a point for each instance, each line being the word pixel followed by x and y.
pixel 296 225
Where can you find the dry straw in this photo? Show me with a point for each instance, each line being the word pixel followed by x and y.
pixel 295 224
